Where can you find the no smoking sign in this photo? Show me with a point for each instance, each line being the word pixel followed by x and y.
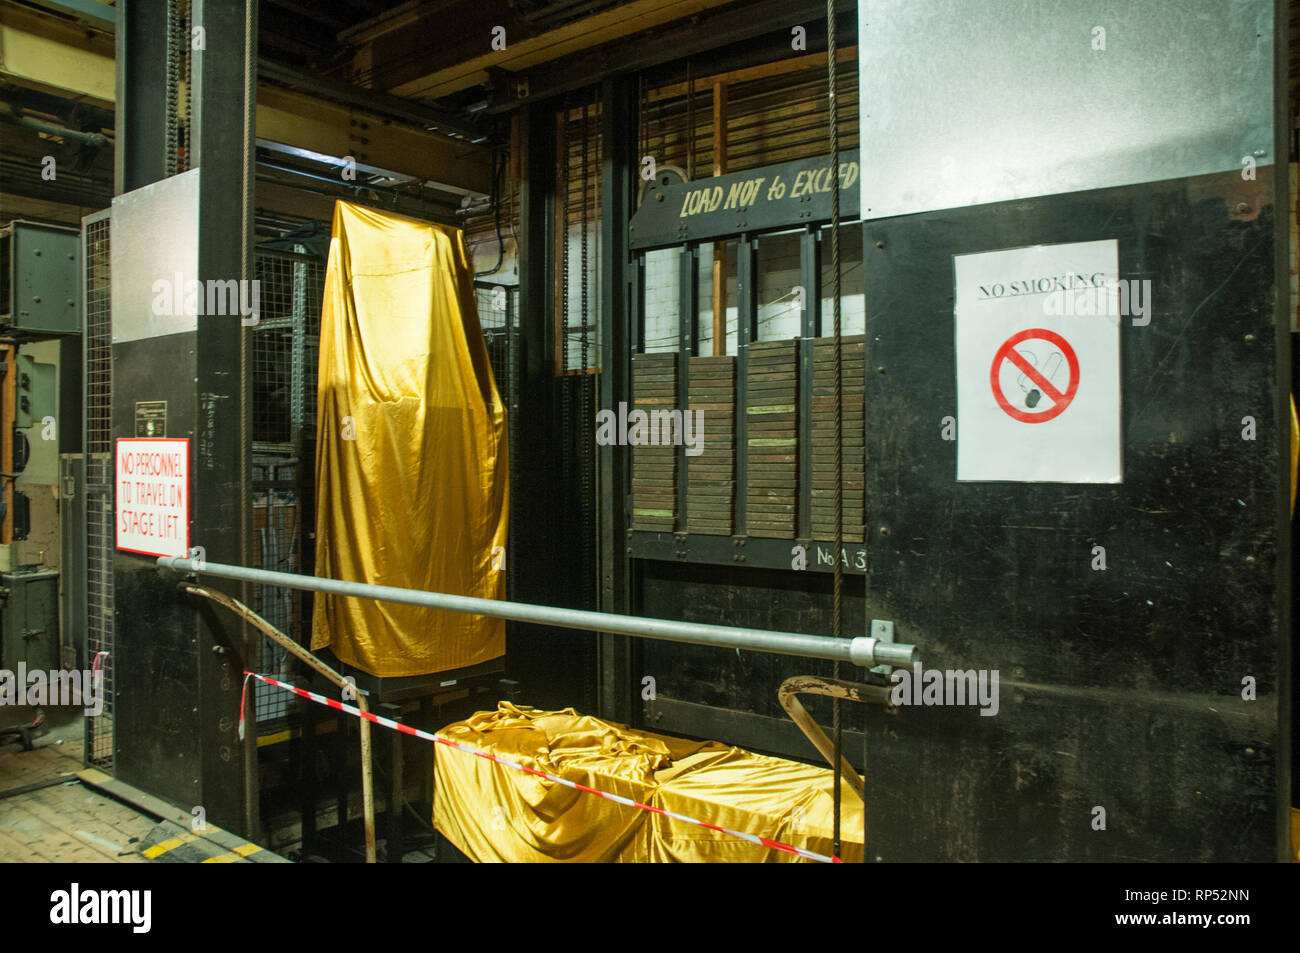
pixel 1027 376
pixel 1038 394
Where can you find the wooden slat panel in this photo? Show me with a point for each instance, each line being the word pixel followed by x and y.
pixel 654 468
pixel 771 415
pixel 711 489
pixel 823 438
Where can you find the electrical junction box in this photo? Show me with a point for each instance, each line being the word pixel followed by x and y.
pixel 40 279
pixel 29 620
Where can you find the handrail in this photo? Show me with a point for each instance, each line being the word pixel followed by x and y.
pixel 296 650
pixel 861 650
pixel 834 688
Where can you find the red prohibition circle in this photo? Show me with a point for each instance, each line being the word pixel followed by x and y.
pixel 1060 400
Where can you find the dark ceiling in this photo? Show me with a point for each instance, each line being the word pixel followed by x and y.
pixel 324 34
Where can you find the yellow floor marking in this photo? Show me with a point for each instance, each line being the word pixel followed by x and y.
pixel 157 850
pixel 243 850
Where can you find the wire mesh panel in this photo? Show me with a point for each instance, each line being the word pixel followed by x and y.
pixel 578 337
pixel 286 342
pixel 498 314
pixel 99 480
pixel 285 346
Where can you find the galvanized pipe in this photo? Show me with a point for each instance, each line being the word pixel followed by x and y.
pixel 16 116
pixel 863 650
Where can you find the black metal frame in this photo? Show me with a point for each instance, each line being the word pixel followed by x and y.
pixel 810 216
pixel 688 346
pixel 622 289
pixel 186 662
pixel 810 273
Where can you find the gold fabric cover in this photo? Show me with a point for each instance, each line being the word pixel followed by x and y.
pixel 411 472
pixel 1295 451
pixel 494 813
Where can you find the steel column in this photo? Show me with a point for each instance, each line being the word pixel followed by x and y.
pixel 636 342
pixel 618 124
pixel 141 40
pixel 746 331
pixel 178 666
pixel 688 345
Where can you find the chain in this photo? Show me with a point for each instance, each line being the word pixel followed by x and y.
pixel 173 82
pixel 837 596
pixel 564 238
pixel 586 194
pixel 690 120
pixel 643 121
pixel 187 131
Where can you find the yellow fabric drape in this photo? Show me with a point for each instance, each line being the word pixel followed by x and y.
pixel 1295 451
pixel 494 813
pixel 411 459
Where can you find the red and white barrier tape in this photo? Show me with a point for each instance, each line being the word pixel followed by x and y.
pixel 626 802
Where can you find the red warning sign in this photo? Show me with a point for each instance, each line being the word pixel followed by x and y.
pixel 1036 376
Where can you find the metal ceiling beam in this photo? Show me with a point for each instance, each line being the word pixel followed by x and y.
pixel 310 123
pixel 312 200
pixel 533 52
pixel 703 33
pixel 54 55
pixel 50 55
pixel 100 16
pixel 378 103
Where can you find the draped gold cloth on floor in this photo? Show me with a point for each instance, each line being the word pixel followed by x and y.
pixel 494 813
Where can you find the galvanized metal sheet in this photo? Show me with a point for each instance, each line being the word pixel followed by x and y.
pixel 155 256
pixel 966 102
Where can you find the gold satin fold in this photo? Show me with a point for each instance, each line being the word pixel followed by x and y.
pixel 494 813
pixel 1295 451
pixel 411 457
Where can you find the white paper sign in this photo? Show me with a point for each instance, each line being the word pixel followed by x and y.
pixel 1037 334
pixel 153 496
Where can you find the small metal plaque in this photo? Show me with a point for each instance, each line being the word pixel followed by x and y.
pixel 151 418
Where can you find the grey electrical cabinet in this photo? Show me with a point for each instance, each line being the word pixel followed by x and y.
pixel 29 620
pixel 40 279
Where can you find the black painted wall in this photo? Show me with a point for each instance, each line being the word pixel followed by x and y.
pixel 731 695
pixel 1121 688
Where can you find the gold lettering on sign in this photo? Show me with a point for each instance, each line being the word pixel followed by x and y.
pixel 745 193
pixel 733 197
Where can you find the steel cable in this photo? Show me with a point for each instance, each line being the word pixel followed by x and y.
pixel 837 596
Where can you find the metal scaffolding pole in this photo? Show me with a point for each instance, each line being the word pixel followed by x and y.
pixel 862 650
